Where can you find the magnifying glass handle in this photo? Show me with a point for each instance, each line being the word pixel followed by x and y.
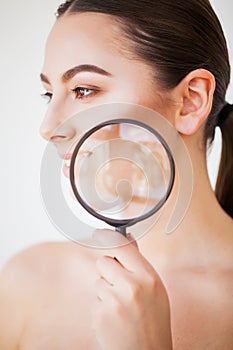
pixel 122 230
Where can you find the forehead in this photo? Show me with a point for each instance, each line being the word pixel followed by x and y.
pixel 86 37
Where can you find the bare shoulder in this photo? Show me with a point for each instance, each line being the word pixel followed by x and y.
pixel 31 276
pixel 41 265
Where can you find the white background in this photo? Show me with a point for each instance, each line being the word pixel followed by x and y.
pixel 24 26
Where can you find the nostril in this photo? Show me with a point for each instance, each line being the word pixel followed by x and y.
pixel 58 138
pixel 53 130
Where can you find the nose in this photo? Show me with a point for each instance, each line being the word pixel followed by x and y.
pixel 54 127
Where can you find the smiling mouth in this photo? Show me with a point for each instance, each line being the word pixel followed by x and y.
pixel 67 161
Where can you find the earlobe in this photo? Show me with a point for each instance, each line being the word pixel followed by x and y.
pixel 196 92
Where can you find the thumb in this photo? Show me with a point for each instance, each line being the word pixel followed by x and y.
pixel 132 240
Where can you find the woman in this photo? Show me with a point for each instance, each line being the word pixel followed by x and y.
pixel 168 292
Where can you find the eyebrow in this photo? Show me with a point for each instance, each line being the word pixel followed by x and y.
pixel 69 74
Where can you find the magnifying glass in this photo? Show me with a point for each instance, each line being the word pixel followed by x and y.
pixel 122 172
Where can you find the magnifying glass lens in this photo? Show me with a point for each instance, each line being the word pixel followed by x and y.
pixel 121 172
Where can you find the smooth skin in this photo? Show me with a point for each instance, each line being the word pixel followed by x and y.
pixel 65 296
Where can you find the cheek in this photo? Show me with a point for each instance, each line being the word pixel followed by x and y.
pixel 128 92
pixel 161 104
pixel 137 91
pixel 136 97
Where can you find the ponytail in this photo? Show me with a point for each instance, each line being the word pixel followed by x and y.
pixel 224 185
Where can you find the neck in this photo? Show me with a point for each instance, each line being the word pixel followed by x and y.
pixel 202 224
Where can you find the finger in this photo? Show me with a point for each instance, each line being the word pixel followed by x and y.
pixel 132 240
pixel 125 252
pixel 111 270
pixel 104 290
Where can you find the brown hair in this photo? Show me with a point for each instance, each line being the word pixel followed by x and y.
pixel 224 185
pixel 175 38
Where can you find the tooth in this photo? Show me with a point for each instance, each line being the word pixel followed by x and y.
pixel 67 162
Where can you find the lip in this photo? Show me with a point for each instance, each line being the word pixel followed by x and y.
pixel 66 168
pixel 67 157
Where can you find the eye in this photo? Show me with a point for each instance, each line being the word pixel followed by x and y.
pixel 82 92
pixel 47 96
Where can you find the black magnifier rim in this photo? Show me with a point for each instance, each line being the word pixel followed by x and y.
pixel 126 222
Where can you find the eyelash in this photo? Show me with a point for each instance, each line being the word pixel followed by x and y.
pixel 78 89
pixel 47 96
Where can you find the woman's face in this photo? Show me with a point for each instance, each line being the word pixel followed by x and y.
pixel 87 63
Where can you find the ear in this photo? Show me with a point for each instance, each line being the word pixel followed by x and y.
pixel 195 92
